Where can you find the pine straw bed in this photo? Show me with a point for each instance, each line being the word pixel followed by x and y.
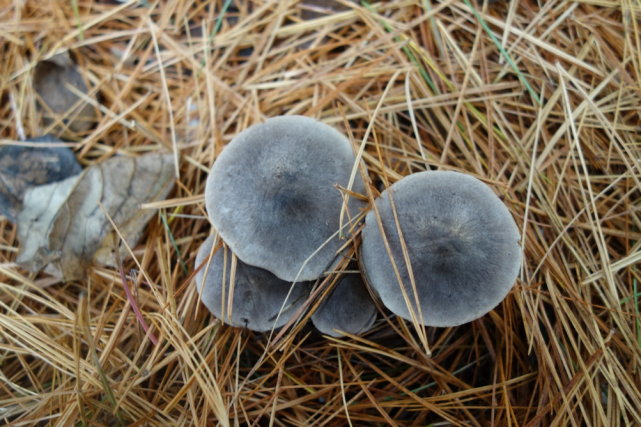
pixel 540 101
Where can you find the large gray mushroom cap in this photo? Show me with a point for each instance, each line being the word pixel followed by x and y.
pixel 349 308
pixel 271 195
pixel 462 242
pixel 258 294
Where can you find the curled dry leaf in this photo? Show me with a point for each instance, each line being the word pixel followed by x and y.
pixel 62 227
pixel 25 167
pixel 50 80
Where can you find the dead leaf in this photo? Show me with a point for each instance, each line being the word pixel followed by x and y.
pixel 50 80
pixel 130 219
pixel 62 227
pixel 24 167
pixel 41 206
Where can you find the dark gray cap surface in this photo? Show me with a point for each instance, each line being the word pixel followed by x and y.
pixel 271 195
pixel 349 308
pixel 463 246
pixel 258 294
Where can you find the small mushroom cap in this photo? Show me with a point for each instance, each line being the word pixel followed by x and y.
pixel 271 195
pixel 258 294
pixel 49 81
pixel 349 308
pixel 462 242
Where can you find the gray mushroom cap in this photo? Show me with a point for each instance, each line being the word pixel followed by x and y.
pixel 462 242
pixel 271 195
pixel 349 308
pixel 258 294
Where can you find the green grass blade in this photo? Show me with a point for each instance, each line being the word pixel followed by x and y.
pixel 506 55
pixel 173 242
pixel 219 23
pixel 74 5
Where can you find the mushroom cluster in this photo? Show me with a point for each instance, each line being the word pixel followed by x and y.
pixel 438 248
pixel 273 197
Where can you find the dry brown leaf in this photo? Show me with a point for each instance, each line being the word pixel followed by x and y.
pixel 62 227
pixel 50 80
pixel 158 172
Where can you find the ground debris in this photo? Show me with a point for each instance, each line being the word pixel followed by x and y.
pixel 24 167
pixel 51 81
pixel 62 228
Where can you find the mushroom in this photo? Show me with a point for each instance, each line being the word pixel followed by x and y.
pixel 258 295
pixel 271 195
pixel 348 308
pixel 50 81
pixel 462 244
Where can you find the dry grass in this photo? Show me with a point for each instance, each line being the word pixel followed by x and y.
pixel 539 99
